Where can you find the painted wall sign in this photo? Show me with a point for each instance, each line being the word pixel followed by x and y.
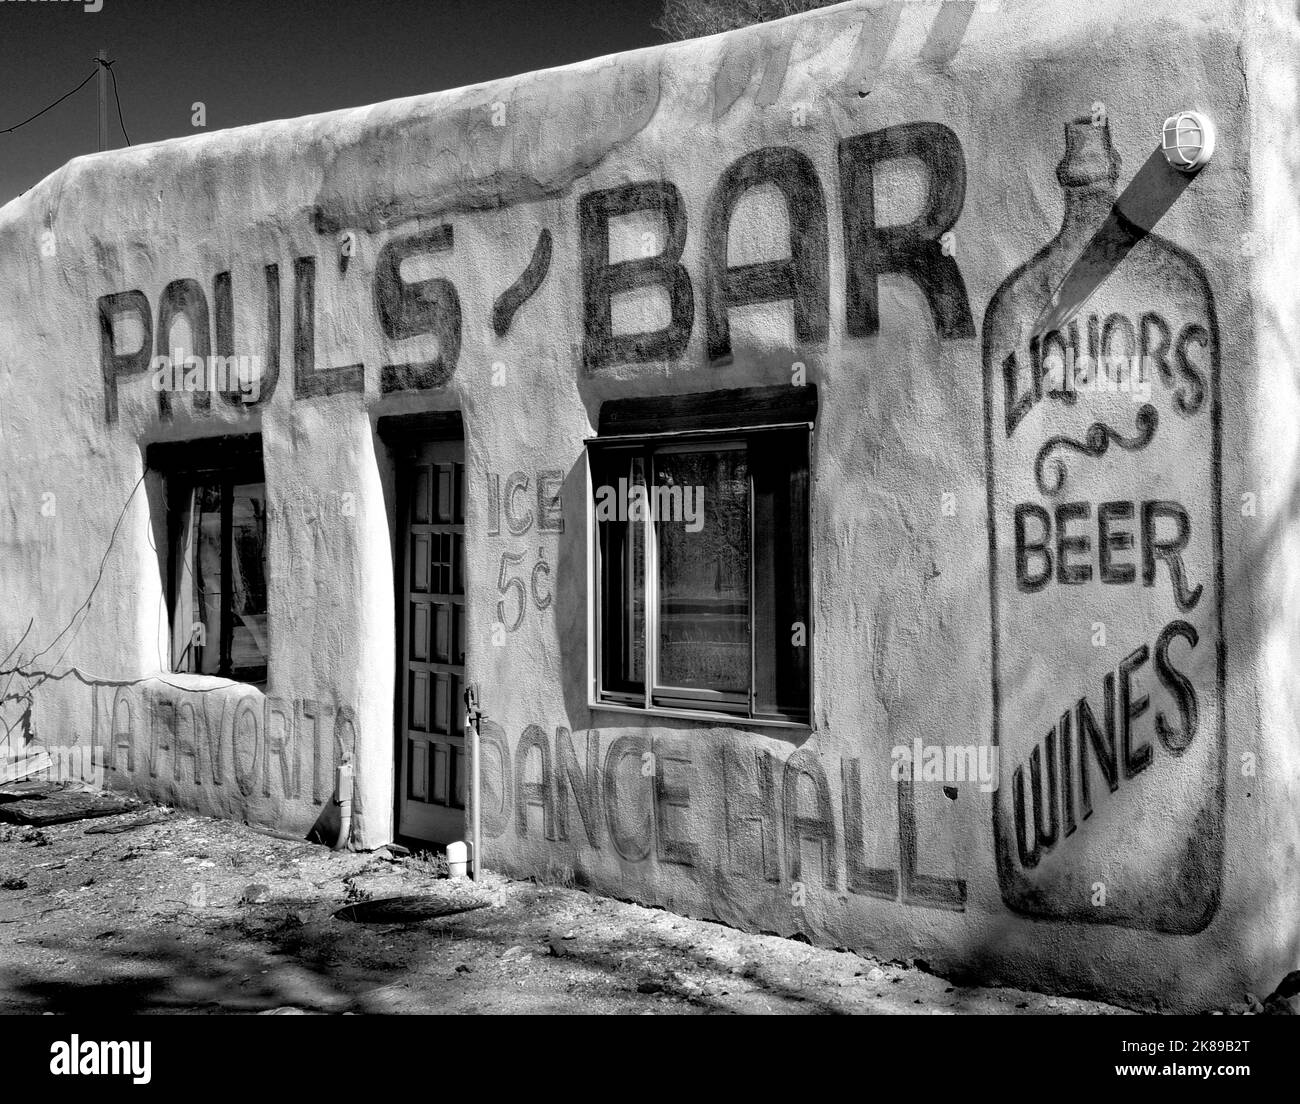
pixel 271 747
pixel 431 308
pixel 654 797
pixel 524 502
pixel 1106 574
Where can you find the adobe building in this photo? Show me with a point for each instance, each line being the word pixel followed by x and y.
pixel 854 462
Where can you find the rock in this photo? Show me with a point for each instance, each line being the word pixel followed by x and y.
pixel 1254 1003
pixel 256 894
pixel 144 821
pixel 556 949
pixel 464 969
pixel 512 952
pixel 1285 999
pixel 1289 986
pixel 650 985
pixel 875 973
pixel 369 886
pixel 63 806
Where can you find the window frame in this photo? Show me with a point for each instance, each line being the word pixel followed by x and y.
pixel 184 466
pixel 652 701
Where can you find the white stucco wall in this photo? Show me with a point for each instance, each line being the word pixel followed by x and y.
pixel 1194 849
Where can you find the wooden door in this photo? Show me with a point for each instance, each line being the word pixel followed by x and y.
pixel 432 755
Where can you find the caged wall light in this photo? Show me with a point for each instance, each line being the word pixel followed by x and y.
pixel 1188 140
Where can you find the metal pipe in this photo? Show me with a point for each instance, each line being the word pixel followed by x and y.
pixel 473 715
pixel 478 819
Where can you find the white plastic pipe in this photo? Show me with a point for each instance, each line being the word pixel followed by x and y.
pixel 456 863
pixel 343 799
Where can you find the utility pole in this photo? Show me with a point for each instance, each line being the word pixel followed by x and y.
pixel 103 100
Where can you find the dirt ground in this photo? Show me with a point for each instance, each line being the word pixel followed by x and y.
pixel 177 913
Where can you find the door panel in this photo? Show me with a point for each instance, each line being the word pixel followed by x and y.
pixel 431 802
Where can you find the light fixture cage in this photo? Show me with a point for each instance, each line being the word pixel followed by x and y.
pixel 1188 140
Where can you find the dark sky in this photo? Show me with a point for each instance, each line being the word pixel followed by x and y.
pixel 252 60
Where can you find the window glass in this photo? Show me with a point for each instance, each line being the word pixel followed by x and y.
pixel 703 551
pixel 623 586
pixel 703 575
pixel 203 565
pixel 248 650
pixel 219 564
pixel 781 635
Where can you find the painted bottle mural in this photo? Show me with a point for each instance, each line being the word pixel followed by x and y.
pixel 1102 439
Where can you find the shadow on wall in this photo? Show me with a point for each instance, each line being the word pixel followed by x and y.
pixel 1151 192
pixel 571 597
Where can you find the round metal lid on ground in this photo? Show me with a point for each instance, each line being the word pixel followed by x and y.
pixel 408 909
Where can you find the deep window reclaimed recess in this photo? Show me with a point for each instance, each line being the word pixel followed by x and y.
pixel 702 572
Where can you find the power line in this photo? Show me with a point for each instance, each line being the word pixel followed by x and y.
pixel 117 99
pixel 56 103
pixel 120 121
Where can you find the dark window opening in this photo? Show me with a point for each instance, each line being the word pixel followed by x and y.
pixel 702 571
pixel 216 521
